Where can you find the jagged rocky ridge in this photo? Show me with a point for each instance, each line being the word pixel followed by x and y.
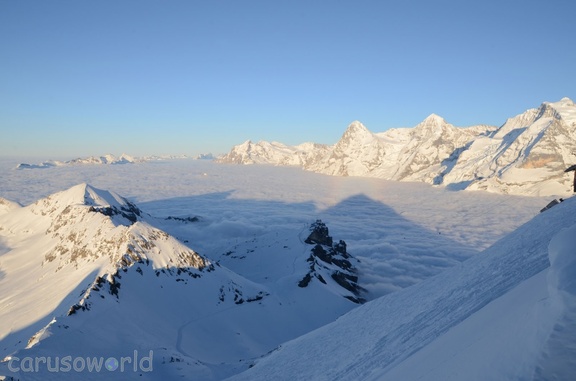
pixel 526 155
pixel 331 261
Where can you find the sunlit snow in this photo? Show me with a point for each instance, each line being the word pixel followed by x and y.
pixel 251 222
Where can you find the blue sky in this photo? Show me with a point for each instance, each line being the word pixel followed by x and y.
pixel 159 77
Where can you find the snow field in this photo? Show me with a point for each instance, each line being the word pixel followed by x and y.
pixel 403 233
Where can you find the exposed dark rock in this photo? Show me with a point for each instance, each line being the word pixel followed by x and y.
pixel 356 300
pixel 78 307
pixel 551 204
pixel 347 281
pixel 320 278
pixel 319 252
pixel 258 297
pixel 183 219
pixel 319 234
pixel 305 281
pixel 332 260
pixel 114 285
pixel 130 211
pixel 340 248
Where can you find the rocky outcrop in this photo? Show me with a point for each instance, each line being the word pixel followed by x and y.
pixel 331 263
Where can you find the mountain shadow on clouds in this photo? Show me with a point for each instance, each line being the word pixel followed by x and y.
pixel 394 252
pixel 262 242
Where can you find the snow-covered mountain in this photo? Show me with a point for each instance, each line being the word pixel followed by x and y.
pixel 85 272
pixel 106 159
pixel 526 155
pixel 109 159
pixel 505 314
pixel 274 153
pixel 7 205
pixel 414 154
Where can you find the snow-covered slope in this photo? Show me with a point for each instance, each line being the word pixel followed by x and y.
pixel 7 205
pixel 526 155
pixel 85 272
pixel 274 153
pixel 64 242
pixel 357 153
pixel 494 317
pixel 410 154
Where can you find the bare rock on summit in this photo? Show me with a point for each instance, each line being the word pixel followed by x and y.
pixel 319 234
pixel 331 263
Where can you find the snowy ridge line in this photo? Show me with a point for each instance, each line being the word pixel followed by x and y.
pixel 526 155
pixel 106 159
pixel 109 159
pixel 400 324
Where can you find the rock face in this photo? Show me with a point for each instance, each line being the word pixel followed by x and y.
pixel 319 234
pixel 526 155
pixel 331 262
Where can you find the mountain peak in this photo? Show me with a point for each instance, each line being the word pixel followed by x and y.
pixel 357 126
pixel 434 118
pixel 356 131
pixel 433 124
pixel 86 194
pixel 562 103
pixel 564 110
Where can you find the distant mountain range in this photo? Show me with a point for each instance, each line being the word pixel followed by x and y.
pixel 109 159
pixel 527 155
pixel 106 159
